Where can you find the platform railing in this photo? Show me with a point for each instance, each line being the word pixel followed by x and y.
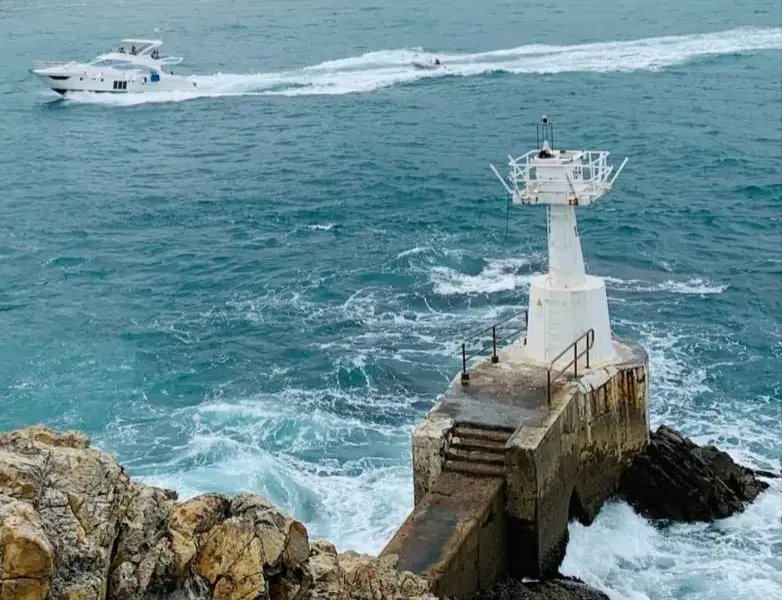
pixel 496 340
pixel 589 335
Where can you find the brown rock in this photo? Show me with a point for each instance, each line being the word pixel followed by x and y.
pixel 77 493
pixel 74 527
pixel 189 521
pixel 143 557
pixel 285 541
pixel 81 593
pixel 297 545
pixel 20 477
pixel 24 547
pixel 26 554
pixel 23 589
pixel 231 559
pixel 198 515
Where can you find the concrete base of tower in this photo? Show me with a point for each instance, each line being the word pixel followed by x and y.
pixel 558 315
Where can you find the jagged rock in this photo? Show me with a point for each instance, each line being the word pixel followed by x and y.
pixel 73 526
pixel 562 588
pixel 675 479
pixel 142 560
pixel 77 493
pixel 188 524
pixel 361 577
pixel 26 555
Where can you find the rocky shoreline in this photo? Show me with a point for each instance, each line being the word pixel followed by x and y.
pixel 74 526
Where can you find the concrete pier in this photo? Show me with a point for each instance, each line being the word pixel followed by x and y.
pixel 499 472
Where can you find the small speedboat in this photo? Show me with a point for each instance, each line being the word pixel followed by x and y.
pixel 134 66
pixel 428 66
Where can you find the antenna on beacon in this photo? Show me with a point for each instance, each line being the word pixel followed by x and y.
pixel 545 133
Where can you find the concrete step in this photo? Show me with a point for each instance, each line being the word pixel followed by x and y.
pixel 493 446
pixel 467 431
pixel 490 458
pixel 474 469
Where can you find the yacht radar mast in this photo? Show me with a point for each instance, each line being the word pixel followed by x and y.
pixel 566 303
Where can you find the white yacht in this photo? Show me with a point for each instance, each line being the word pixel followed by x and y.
pixel 132 67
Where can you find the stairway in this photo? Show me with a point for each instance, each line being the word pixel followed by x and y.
pixel 477 451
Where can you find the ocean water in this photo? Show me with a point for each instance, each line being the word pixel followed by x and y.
pixel 262 286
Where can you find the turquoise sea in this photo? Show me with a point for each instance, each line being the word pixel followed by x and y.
pixel 262 287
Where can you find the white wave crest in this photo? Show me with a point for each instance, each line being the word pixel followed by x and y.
pixel 497 276
pixel 695 285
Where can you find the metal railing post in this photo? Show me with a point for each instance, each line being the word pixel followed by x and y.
pixel 465 374
pixel 589 344
pixel 548 387
pixel 575 358
pixel 495 357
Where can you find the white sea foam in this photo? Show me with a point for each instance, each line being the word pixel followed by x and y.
pixel 379 69
pixel 291 447
pixel 321 227
pixel 631 559
pixel 694 285
pixel 497 276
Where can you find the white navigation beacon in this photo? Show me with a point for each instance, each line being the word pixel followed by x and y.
pixel 566 303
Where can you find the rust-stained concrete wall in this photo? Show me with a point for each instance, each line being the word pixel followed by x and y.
pixel 570 465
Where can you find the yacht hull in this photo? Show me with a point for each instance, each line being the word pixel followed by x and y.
pixel 119 83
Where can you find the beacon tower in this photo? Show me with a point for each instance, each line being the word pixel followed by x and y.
pixel 565 303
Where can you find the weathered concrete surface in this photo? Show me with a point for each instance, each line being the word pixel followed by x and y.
pixel 558 460
pixel 456 535
pixel 568 464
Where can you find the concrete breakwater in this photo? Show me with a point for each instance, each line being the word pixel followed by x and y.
pixel 502 464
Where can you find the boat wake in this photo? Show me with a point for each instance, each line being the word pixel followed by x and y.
pixel 376 70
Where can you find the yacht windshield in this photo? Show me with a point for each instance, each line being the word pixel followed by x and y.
pixel 114 64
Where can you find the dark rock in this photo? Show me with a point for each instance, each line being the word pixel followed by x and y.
pixel 677 480
pixel 560 588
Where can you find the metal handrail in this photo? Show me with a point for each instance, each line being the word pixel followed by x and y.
pixel 590 341
pixel 494 340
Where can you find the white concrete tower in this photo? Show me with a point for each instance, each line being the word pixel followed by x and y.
pixel 566 303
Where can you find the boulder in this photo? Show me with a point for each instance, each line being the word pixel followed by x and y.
pixel 675 479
